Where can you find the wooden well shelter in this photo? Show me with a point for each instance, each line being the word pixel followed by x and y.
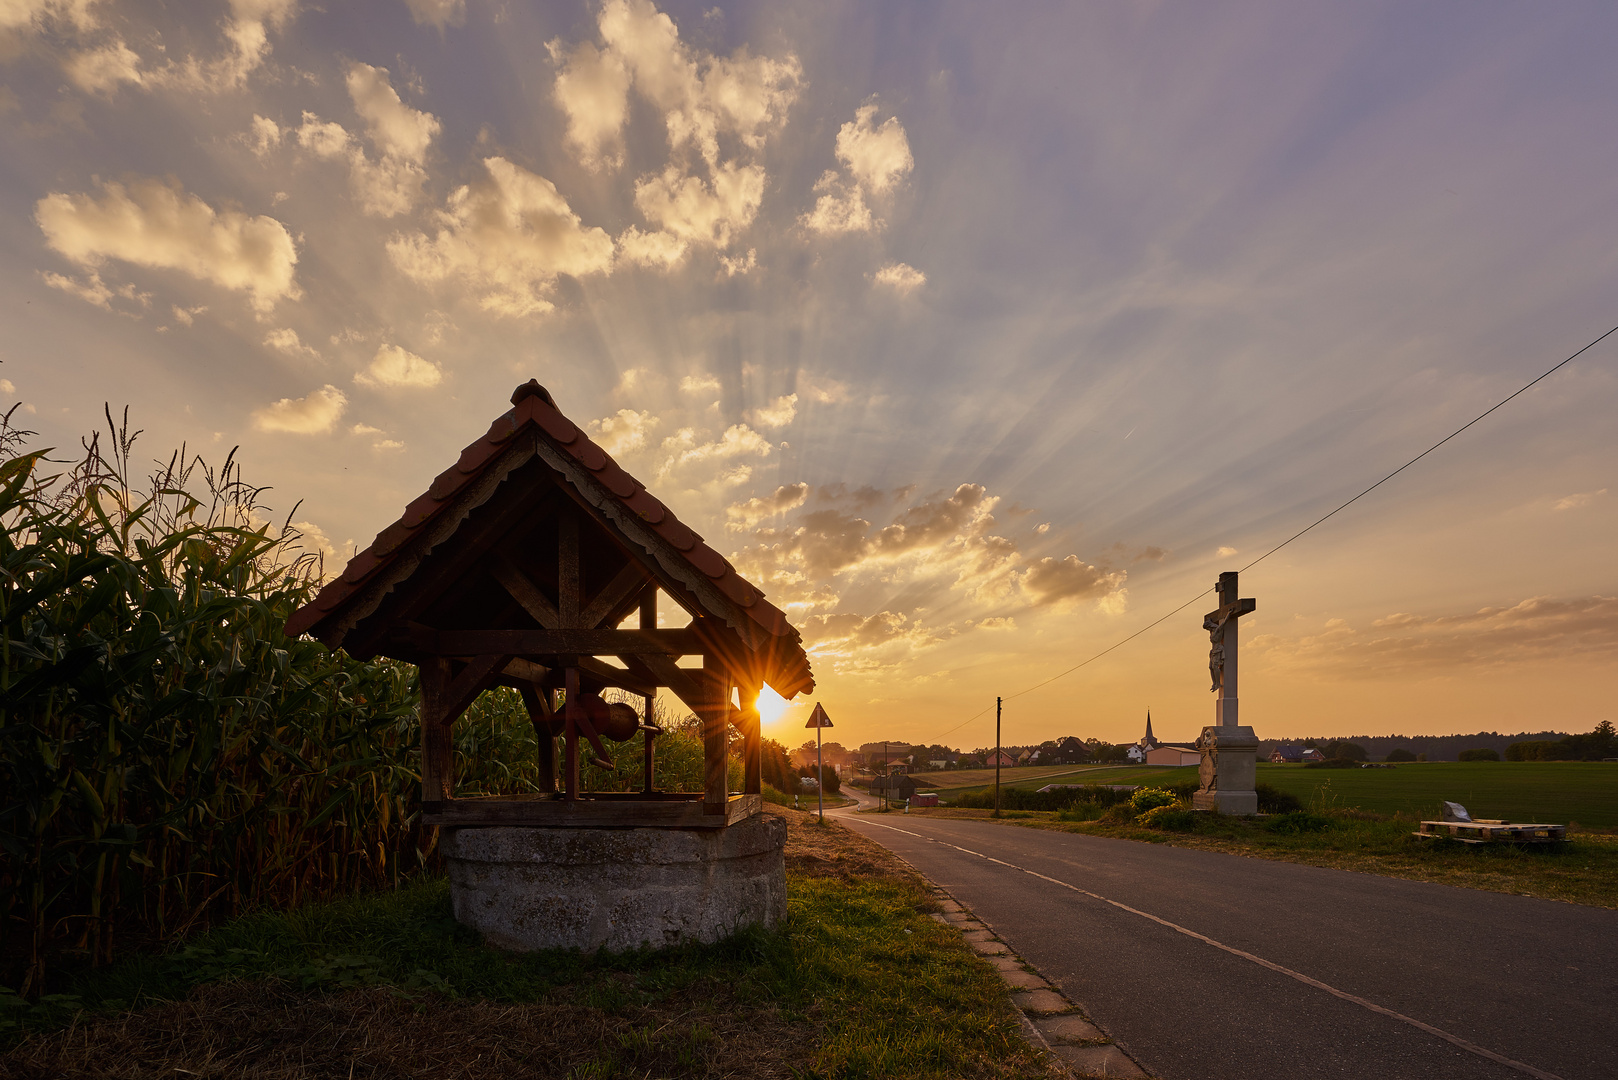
pixel 521 566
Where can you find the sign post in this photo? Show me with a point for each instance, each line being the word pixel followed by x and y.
pixel 817 720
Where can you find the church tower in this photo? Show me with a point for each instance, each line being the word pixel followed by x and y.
pixel 1148 741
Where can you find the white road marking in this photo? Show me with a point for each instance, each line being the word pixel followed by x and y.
pixel 1456 1040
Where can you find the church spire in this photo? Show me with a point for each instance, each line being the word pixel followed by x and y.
pixel 1148 738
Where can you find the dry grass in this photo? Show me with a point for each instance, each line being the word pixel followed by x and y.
pixel 265 1030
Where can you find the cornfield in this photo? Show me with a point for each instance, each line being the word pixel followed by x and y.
pixel 168 756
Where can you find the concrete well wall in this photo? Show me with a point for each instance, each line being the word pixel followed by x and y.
pixel 558 888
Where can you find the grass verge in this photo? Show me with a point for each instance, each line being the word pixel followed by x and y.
pixel 1582 871
pixel 859 982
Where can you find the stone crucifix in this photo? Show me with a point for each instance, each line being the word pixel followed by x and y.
pixel 1221 627
pixel 1229 749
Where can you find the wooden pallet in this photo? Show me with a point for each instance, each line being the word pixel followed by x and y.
pixel 1492 832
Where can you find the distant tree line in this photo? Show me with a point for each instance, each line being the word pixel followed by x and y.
pixel 1422 747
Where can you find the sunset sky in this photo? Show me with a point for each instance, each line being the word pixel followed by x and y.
pixel 978 335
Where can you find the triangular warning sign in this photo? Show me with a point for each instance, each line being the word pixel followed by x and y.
pixel 818 718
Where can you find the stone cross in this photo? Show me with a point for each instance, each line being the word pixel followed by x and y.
pixel 1221 627
pixel 1229 749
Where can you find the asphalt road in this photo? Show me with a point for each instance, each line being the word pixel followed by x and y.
pixel 1531 981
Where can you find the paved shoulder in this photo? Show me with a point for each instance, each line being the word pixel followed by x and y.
pixel 1209 966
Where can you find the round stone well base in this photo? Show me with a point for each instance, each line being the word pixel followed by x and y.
pixel 554 888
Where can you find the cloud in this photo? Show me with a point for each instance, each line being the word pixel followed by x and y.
pixel 864 643
pixel 247 32
pixel 702 211
pixel 311 415
pixel 745 515
pixel 696 384
pixel 508 237
pixel 901 277
pixel 365 429
pixel 7 386
pixel 325 139
pixel 840 209
pixel 394 128
pixel 283 340
pixel 1537 630
pixel 391 183
pixel 701 96
pixel 35 15
pixel 393 366
pixel 387 444
pixel 778 413
pixel 707 103
pixel 625 432
pixel 187 316
pixel 592 88
pixel 739 440
pixel 1225 552
pixel 660 249
pixel 875 159
pixel 439 13
pixel 739 264
pixel 154 225
pixel 998 622
pixel 1051 581
pixel 100 71
pixel 91 290
pixel 878 157
pixel 266 135
pixel 1574 502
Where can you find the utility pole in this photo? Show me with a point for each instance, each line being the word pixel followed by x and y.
pixel 996 757
pixel 887 777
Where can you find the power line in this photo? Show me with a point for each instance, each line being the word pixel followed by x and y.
pixel 1523 389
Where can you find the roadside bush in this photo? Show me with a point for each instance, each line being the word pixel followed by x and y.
pixel 1299 821
pixel 1272 801
pixel 1479 753
pixel 1024 799
pixel 1149 798
pixel 1171 817
pixel 830 782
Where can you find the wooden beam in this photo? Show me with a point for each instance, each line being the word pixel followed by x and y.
pixel 525 592
pixel 479 672
pixel 752 742
pixel 570 733
pixel 528 671
pixel 569 579
pixel 437 755
pixel 630 680
pixel 716 684
pixel 683 683
pixel 569 642
pixel 611 598
pixel 539 714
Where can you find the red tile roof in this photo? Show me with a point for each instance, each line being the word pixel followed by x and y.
pixel 534 406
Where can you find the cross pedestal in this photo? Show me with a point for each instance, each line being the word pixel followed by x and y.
pixel 1229 749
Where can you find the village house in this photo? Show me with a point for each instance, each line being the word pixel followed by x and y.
pixel 1005 760
pixel 1292 755
pixel 1173 755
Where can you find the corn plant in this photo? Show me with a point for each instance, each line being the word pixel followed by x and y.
pixel 167 754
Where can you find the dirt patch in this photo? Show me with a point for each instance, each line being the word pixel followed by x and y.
pixel 834 850
pixel 266 1030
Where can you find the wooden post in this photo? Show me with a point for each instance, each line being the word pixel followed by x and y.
pixel 539 714
pixel 753 742
pixel 996 757
pixel 570 733
pixel 569 583
pixel 437 752
pixel 716 687
pixel 648 621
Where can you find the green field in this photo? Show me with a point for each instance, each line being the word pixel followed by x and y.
pixel 952 783
pixel 1557 792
